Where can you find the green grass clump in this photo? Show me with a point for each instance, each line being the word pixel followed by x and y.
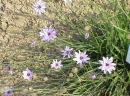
pixel 109 27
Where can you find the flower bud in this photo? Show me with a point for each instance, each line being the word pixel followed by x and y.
pixel 70 74
pixel 45 79
pixel 74 69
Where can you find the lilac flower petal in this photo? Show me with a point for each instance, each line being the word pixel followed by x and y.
pixel 56 64
pixel 27 74
pixel 67 52
pixel 39 7
pixel 107 65
pixel 81 57
pixel 47 34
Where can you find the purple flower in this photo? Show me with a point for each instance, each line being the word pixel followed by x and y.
pixel 81 57
pixel 39 7
pixel 93 76
pixel 27 74
pixel 107 65
pixel 56 64
pixel 47 34
pixel 8 92
pixel 67 52
pixel 9 69
pixel 32 43
pixel 86 36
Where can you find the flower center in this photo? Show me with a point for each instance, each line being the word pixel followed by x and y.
pixel 39 7
pixel 92 74
pixel 28 74
pixel 107 64
pixel 57 64
pixel 8 68
pixel 49 33
pixel 8 92
pixel 81 57
pixel 67 52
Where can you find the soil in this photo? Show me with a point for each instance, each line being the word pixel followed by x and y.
pixel 18 27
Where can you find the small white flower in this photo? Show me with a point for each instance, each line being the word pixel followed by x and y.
pixel 56 64
pixel 67 52
pixel 107 65
pixel 86 36
pixel 27 74
pixel 39 7
pixel 81 57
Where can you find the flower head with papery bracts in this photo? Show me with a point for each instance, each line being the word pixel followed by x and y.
pixel 86 36
pixel 67 52
pixel 8 92
pixel 9 69
pixel 47 34
pixel 27 74
pixel 92 76
pixel 70 1
pixel 81 57
pixel 32 43
pixel 56 64
pixel 39 7
pixel 107 65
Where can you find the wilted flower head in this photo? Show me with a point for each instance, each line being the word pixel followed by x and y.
pixel 71 74
pixel 81 57
pixel 32 43
pixel 8 92
pixel 9 69
pixel 107 65
pixel 70 1
pixel 39 7
pixel 87 28
pixel 67 52
pixel 27 74
pixel 86 36
pixel 56 64
pixel 93 76
pixel 47 34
